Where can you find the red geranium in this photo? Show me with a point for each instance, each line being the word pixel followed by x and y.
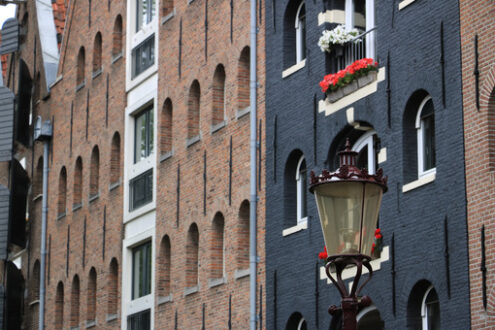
pixel 345 76
pixel 323 255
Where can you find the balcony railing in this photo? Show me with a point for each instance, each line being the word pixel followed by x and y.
pixel 364 45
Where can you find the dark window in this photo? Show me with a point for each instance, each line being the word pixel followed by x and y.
pixel 139 321
pixel 428 127
pixel 143 135
pixel 141 190
pixel 141 271
pixel 143 56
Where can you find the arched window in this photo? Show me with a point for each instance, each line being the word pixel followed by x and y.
pixel 97 48
pixel 74 302
pixel 62 192
pixel 425 126
pixel 217 247
pixel 168 7
pixel 113 288
pixel 193 114
pixel 117 37
pixel 81 63
pixel 295 191
pixel 91 297
pixel 294 33
pixel 164 264
pixel 59 307
pixel 365 147
pixel 296 322
pixel 38 179
pixel 77 195
pixel 95 172
pixel 430 310
pixel 243 88
pixel 115 159
pixel 423 307
pixel 166 127
pixel 192 254
pixel 243 236
pixel 302 187
pixel 369 318
pixel 218 103
pixel 300 33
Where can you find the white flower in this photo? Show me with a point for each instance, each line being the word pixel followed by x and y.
pixel 337 36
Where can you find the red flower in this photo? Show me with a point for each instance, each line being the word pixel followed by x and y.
pixel 377 231
pixel 373 248
pixel 378 236
pixel 323 255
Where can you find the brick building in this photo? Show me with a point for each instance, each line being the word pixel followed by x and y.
pixel 148 190
pixel 478 81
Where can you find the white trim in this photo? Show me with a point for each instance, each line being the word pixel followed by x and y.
pixel 424 314
pixel 430 177
pixel 335 16
pixel 300 226
pixel 300 54
pixel 367 140
pixel 405 3
pixel 419 124
pixel 300 189
pixel 417 121
pixel 296 67
pixel 365 311
pixel 349 15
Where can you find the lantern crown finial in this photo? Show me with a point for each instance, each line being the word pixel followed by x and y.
pixel 348 156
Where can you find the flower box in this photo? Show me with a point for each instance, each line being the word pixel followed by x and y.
pixel 350 88
pixel 367 79
pixel 335 95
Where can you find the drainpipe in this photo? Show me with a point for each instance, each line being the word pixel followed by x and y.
pixel 253 258
pixel 43 132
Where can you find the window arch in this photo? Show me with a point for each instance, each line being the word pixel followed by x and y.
pixel 62 192
pixel 217 247
pixel 243 236
pixel 95 172
pixel 243 88
pixel 166 127
pixel 193 114
pixel 113 287
pixel 97 49
pixel 423 307
pixel 295 179
pixel 430 310
pixel 369 318
pixel 81 59
pixel 192 254
pixel 365 147
pixel 164 264
pixel 168 7
pixel 115 159
pixel 77 194
pixel 218 103
pixel 294 33
pixel 117 37
pixel 296 322
pixel 59 306
pixel 91 297
pixel 74 302
pixel 425 126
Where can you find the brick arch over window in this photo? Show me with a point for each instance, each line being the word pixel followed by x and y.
pixel 78 172
pixel 290 189
pixel 243 236
pixel 97 49
pixel 59 307
pixel 94 176
pixel 113 288
pixel 74 302
pixel 193 113
pixel 62 192
pixel 168 7
pixel 166 126
pixel 115 159
pixel 243 89
pixel 117 37
pixel 218 102
pixel 192 254
pixel 164 264
pixel 81 63
pixel 38 179
pixel 91 295
pixel 217 246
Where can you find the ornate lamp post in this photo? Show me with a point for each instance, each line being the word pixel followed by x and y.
pixel 348 203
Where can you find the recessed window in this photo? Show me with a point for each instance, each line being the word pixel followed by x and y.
pixel 302 187
pixel 296 322
pixel 425 125
pixel 143 56
pixel 365 147
pixel 141 190
pixel 139 321
pixel 145 11
pixel 430 310
pixel 294 38
pixel 301 33
pixel 143 135
pixel 141 271
pixel 295 190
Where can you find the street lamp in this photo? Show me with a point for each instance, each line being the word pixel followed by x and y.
pixel 348 203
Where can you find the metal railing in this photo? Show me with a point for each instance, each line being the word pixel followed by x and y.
pixel 364 45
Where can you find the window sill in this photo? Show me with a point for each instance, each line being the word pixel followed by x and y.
pixel 191 290
pixel 419 182
pixel 217 127
pixel 117 57
pixel 97 73
pixel 81 86
pixel 164 300
pixel 300 226
pixel 62 215
pixel 166 156
pixel 37 197
pixel 216 282
pixel 403 4
pixel 76 207
pixel 114 185
pixel 240 273
pixel 242 112
pixel 111 317
pixel 94 197
pixel 296 67
pixel 168 17
pixel 190 1
pixel 193 140
pixel 90 324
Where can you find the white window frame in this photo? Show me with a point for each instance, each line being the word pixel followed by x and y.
pixel 419 124
pixel 300 50
pixel 424 310
pixel 370 24
pixel 367 139
pixel 299 199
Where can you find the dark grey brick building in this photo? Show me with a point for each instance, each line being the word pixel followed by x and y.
pixel 407 121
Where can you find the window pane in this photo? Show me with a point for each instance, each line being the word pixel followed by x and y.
pixel 143 139
pixel 141 272
pixel 304 189
pixel 139 321
pixel 302 20
pixel 362 158
pixel 433 310
pixel 143 56
pixel 428 126
pixel 141 189
pixel 360 14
